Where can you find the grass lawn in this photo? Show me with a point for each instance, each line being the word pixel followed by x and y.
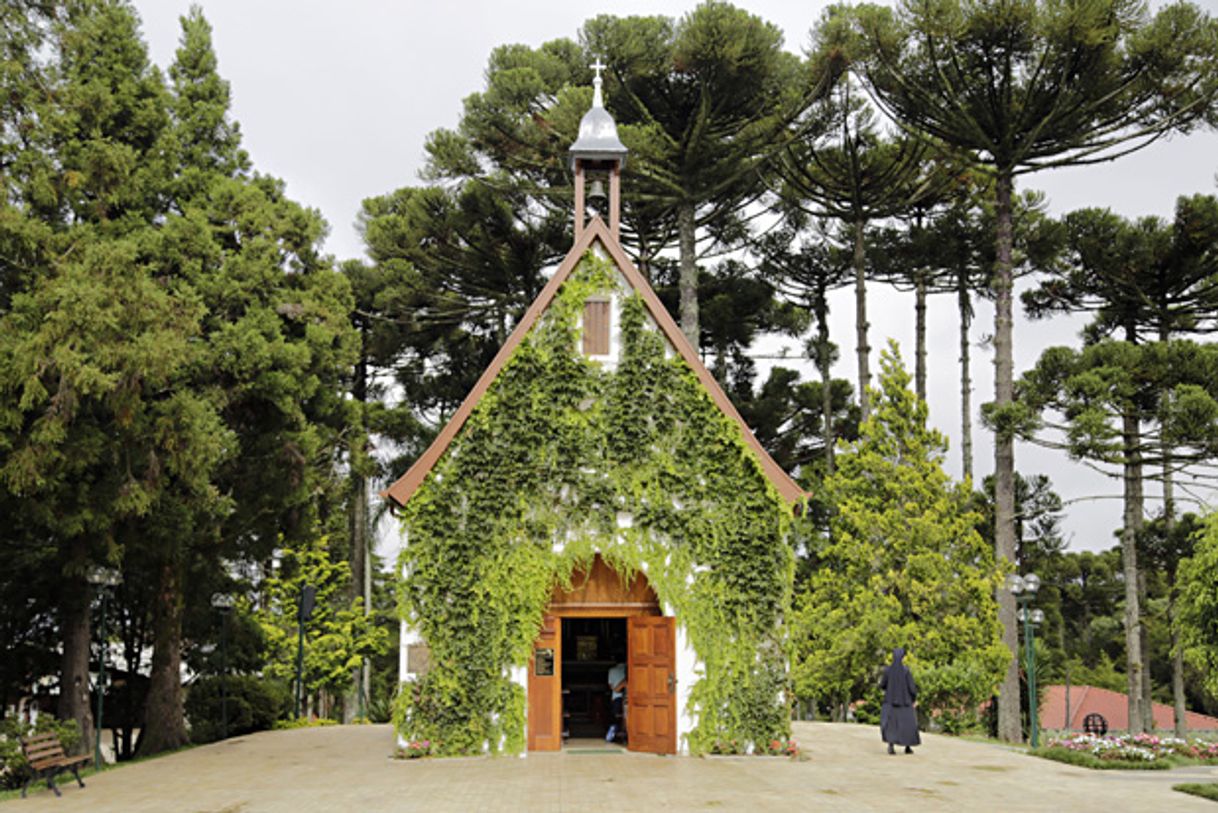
pixel 1206 790
pixel 982 739
pixel 63 780
pixel 66 779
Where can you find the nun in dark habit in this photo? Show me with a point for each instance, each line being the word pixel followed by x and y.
pixel 898 720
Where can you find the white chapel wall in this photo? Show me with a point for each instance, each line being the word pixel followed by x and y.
pixel 689 667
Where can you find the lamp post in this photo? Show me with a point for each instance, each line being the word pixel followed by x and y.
pixel 101 578
pixel 1024 589
pixel 224 603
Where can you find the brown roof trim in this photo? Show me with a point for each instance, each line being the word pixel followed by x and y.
pixel 405 487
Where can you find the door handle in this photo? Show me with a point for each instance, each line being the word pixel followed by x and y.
pixel 672 683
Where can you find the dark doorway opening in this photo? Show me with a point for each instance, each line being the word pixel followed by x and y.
pixel 591 647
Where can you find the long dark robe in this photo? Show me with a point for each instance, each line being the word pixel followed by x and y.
pixel 898 720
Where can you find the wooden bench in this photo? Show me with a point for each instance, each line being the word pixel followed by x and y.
pixel 45 754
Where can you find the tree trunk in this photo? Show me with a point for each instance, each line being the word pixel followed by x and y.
pixel 133 646
pixel 920 335
pixel 860 320
pixel 1177 674
pixel 1129 533
pixel 1179 708
pixel 1009 724
pixel 688 280
pixel 1066 725
pixel 358 528
pixel 966 378
pixel 358 522
pixel 367 664
pixel 74 665
pixel 164 721
pixel 1148 708
pixel 826 380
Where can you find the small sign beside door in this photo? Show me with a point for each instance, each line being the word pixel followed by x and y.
pixel 543 662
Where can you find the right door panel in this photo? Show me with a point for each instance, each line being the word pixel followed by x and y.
pixel 651 719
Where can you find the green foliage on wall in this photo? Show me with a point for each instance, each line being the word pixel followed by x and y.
pixel 563 459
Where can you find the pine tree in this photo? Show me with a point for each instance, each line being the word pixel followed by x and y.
pixel 903 566
pixel 275 345
pixel 94 339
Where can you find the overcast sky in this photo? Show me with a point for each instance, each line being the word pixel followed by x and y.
pixel 336 98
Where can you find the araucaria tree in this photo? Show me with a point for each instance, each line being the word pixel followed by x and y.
pixel 1028 85
pixel 704 103
pixel 1167 391
pixel 851 172
pixel 1142 281
pixel 904 566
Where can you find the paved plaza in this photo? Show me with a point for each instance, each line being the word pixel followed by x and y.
pixel 348 769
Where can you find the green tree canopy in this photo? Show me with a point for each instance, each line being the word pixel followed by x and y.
pixel 903 566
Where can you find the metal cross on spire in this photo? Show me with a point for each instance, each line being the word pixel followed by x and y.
pixel 597 99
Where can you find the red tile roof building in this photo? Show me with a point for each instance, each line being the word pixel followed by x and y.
pixel 1114 706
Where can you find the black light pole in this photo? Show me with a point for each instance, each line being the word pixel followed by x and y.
pixel 308 595
pixel 224 603
pixel 101 578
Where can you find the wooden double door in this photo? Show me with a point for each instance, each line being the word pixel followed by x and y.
pixel 651 681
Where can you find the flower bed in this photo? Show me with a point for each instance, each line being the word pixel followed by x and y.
pixel 1129 750
pixel 415 749
pixel 773 748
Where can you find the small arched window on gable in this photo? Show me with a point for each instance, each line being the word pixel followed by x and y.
pixel 596 327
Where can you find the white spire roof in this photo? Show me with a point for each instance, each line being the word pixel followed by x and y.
pixel 598 140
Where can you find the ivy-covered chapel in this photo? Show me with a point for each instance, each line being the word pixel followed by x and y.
pixel 595 508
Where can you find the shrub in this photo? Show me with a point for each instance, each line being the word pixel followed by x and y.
pixel 13 766
pixel 380 709
pixel 867 710
pixel 304 722
pixel 254 704
pixel 774 747
pixel 727 747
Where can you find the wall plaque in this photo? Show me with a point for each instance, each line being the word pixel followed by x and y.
pixel 543 662
pixel 418 659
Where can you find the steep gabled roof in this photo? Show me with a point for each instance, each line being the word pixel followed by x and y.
pixel 406 485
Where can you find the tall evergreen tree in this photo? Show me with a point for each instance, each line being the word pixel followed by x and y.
pixel 904 566
pixel 702 103
pixel 846 169
pixel 275 344
pixel 714 95
pixel 805 272
pixel 1020 87
pixel 1167 390
pixel 94 341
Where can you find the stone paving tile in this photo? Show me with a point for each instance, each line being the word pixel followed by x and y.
pixel 347 770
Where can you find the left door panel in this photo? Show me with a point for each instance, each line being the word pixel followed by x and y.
pixel 545 688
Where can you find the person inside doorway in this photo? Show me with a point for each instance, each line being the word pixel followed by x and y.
pixel 617 685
